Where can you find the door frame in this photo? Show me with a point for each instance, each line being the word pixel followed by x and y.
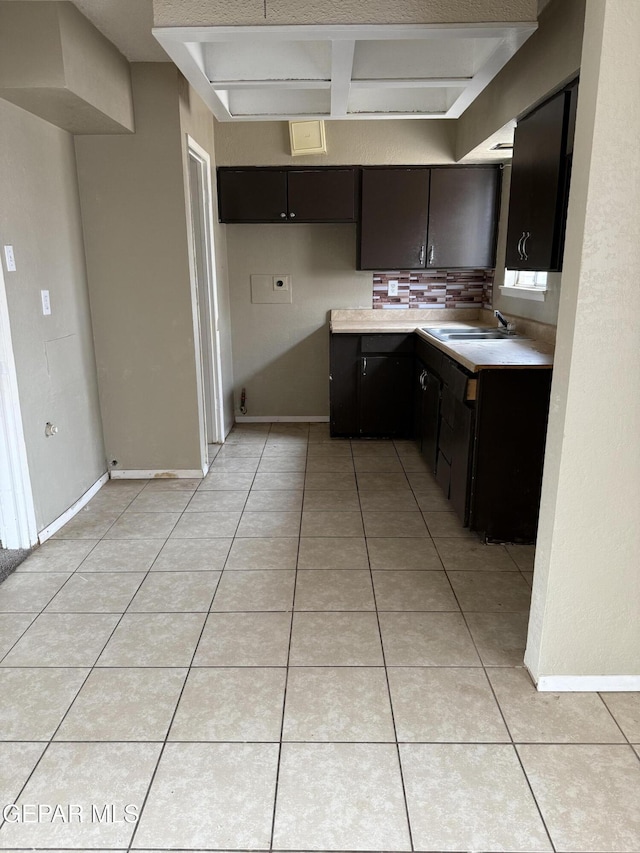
pixel 18 528
pixel 207 346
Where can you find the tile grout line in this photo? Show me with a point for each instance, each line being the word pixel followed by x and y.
pixel 286 678
pixel 386 675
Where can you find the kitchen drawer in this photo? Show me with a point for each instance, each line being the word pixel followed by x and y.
pixel 443 475
pixel 387 343
pixel 430 355
pixel 448 407
pixel 454 378
pixel 446 441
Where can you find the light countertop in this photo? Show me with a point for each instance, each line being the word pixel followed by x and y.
pixel 522 351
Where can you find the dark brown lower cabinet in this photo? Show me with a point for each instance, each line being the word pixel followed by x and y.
pixel 483 436
pixel 371 386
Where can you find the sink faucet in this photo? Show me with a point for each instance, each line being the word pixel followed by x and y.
pixel 502 321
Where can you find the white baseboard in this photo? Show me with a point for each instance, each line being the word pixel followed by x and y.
pixel 161 474
pixel 588 683
pixel 48 532
pixel 282 419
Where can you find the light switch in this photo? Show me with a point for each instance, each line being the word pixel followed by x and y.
pixel 392 288
pixel 10 258
pixel 46 302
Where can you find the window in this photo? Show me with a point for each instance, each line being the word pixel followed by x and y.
pixel 525 284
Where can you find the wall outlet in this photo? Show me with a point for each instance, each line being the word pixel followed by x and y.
pixel 392 288
pixel 269 288
pixel 10 258
pixel 281 283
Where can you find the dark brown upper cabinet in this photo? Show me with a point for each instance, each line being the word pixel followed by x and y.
pixel 463 218
pixel 393 219
pixel 541 169
pixel 286 195
pixel 421 218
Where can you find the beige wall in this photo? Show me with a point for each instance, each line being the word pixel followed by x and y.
pixel 257 12
pixel 40 217
pixel 358 142
pixel 133 206
pixel 281 352
pixel 197 121
pixel 584 617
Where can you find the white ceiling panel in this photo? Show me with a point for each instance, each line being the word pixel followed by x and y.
pixel 260 60
pixel 432 101
pixel 293 102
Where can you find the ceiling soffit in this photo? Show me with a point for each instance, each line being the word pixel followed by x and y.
pixel 341 71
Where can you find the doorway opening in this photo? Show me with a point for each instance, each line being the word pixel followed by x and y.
pixel 17 515
pixel 205 301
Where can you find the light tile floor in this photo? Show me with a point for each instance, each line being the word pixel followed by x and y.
pixel 303 651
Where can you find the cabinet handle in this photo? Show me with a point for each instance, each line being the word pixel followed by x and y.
pixel 423 380
pixel 524 245
pixel 283 216
pixel 431 255
pixel 421 261
pixel 364 366
pixel 520 247
pixel 292 216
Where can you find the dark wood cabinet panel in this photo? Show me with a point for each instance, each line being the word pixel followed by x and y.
pixel 539 185
pixel 511 416
pixel 429 421
pixel 393 219
pixel 463 211
pixel 327 195
pixel 385 395
pixel 371 385
pixel 287 195
pixel 343 384
pixel 252 195
pixel 488 452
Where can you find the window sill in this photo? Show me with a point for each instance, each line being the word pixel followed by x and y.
pixel 536 294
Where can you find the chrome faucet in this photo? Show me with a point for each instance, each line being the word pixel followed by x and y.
pixel 502 321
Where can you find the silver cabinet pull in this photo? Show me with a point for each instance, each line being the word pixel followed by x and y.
pixel 292 216
pixel 364 366
pixel 520 247
pixel 283 216
pixel 431 255
pixel 524 245
pixel 421 261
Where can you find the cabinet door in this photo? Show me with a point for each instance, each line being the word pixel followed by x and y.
pixel 343 385
pixel 536 215
pixel 326 195
pixel 460 460
pixel 385 395
pixel 393 219
pixel 430 418
pixel 252 195
pixel 462 218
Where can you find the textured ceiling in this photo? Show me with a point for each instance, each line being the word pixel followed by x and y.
pixel 127 24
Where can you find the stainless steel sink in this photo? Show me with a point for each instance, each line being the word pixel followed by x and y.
pixel 494 335
pixel 458 334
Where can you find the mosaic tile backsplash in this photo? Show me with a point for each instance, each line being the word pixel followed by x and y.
pixel 434 289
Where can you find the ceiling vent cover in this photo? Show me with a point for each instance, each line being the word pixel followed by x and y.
pixel 307 137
